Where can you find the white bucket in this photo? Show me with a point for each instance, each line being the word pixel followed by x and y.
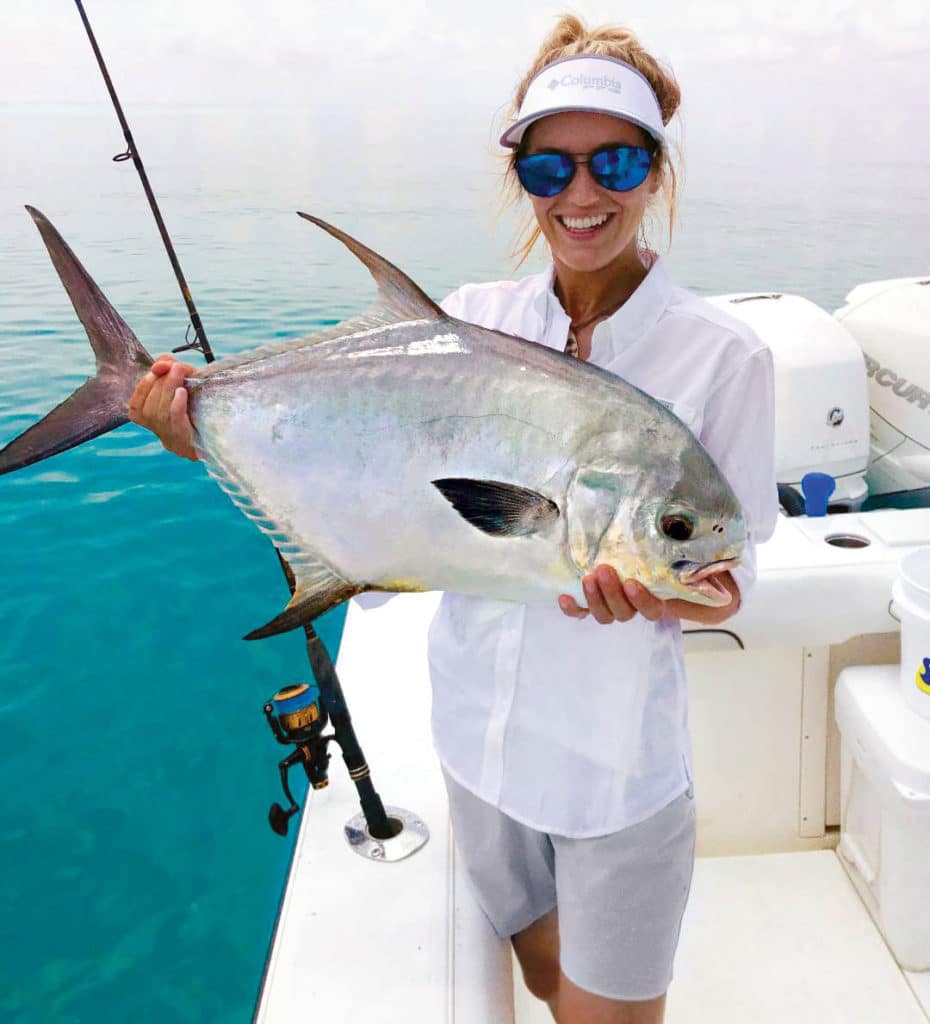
pixel 911 594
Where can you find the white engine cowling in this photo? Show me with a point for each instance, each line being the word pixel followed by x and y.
pixel 821 399
pixel 891 322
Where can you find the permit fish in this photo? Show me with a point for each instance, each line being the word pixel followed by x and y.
pixel 406 450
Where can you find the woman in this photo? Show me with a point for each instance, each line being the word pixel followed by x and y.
pixel 564 745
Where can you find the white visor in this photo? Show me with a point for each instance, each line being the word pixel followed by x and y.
pixel 601 85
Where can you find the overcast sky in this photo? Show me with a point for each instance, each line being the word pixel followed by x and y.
pixel 819 107
pixel 430 51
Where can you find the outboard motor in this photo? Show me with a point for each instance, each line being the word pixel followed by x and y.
pixel 821 399
pixel 890 321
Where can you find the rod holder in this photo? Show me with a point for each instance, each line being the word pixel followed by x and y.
pixel 411 836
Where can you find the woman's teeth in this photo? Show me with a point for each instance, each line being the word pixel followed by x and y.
pixel 584 223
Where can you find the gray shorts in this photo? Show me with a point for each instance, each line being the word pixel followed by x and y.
pixel 620 897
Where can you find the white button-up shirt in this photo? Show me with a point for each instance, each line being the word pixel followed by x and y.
pixel 566 725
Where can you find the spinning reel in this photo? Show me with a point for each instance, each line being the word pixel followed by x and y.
pixel 295 715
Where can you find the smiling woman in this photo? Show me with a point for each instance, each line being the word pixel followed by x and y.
pixel 655 85
pixel 579 835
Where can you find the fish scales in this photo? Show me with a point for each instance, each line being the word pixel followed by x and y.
pixel 430 420
pixel 408 450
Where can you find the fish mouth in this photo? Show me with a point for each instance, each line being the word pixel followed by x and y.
pixel 705 579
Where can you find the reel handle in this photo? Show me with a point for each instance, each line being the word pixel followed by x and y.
pixel 279 818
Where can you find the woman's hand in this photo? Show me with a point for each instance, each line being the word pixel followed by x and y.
pixel 611 599
pixel 160 403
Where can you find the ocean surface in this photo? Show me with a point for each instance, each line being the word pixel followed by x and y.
pixel 139 880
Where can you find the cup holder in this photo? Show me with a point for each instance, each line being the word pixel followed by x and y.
pixel 847 540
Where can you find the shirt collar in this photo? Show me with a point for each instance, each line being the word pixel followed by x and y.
pixel 632 320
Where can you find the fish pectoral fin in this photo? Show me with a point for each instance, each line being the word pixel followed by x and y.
pixel 498 509
pixel 307 604
pixel 404 298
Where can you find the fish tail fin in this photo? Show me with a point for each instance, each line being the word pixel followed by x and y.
pixel 101 404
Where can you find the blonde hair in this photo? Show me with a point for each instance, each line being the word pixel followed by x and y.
pixel 570 38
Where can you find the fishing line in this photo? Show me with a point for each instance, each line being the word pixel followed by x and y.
pixel 199 342
pixel 297 725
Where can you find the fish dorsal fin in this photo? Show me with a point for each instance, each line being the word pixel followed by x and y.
pixel 401 300
pixel 399 294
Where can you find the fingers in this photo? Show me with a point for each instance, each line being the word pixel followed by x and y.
pixel 611 599
pixel 140 396
pixel 606 597
pixel 160 404
pixel 157 408
pixel 648 605
pixel 596 603
pixel 571 608
pixel 181 432
pixel 137 404
pixel 162 364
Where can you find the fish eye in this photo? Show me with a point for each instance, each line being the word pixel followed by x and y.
pixel 677 527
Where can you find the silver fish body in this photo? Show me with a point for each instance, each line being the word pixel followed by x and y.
pixel 408 450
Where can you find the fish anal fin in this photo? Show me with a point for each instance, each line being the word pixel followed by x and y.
pixel 497 508
pixel 306 605
pixel 402 296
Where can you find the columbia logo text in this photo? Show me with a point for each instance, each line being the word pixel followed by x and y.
pixel 588 82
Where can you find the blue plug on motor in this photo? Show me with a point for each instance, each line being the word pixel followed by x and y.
pixel 817 488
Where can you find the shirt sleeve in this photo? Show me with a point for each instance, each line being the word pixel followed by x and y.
pixel 373 598
pixel 739 434
pixel 453 303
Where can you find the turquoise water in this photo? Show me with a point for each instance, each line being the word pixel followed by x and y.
pixel 138 877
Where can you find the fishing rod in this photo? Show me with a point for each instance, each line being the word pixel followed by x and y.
pixel 199 341
pixel 298 713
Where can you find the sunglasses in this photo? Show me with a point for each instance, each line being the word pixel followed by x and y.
pixel 618 168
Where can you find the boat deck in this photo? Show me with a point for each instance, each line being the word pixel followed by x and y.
pixel 775 938
pixel 767 938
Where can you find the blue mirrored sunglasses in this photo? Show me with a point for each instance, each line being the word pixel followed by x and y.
pixel 618 168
